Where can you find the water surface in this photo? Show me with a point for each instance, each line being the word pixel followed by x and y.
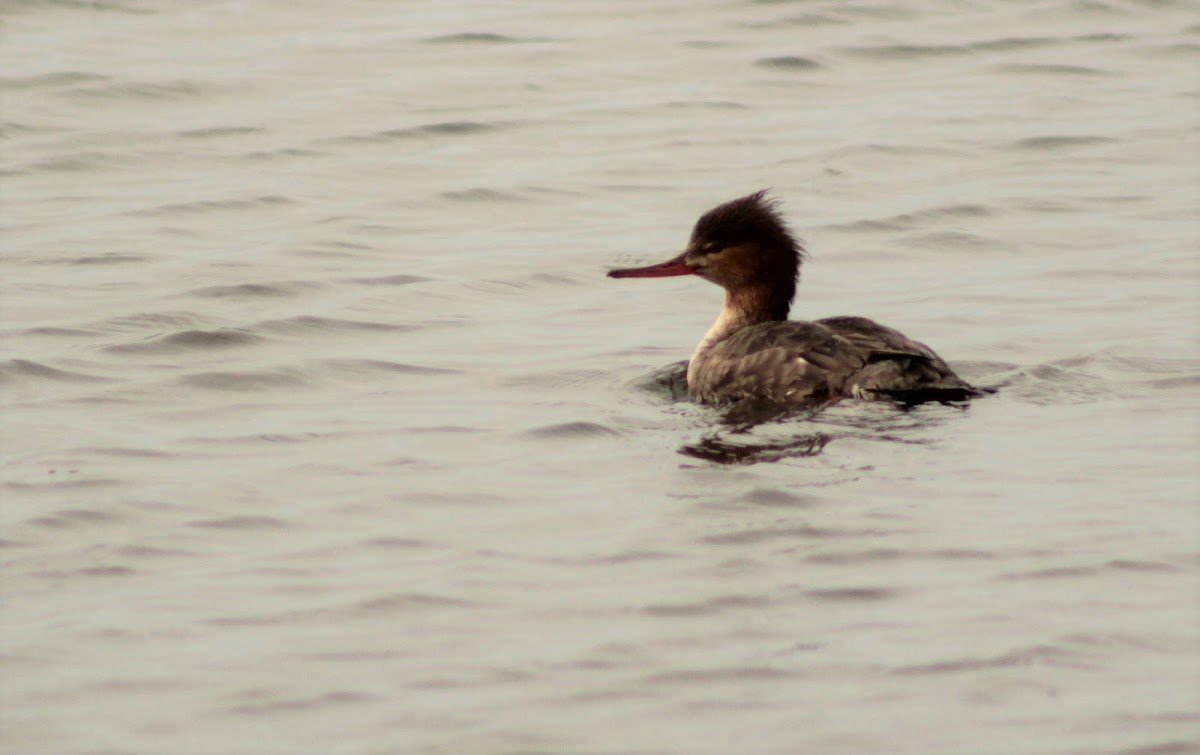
pixel 323 430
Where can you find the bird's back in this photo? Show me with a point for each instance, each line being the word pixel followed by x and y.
pixel 797 362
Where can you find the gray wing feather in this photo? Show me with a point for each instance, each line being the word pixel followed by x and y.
pixel 802 362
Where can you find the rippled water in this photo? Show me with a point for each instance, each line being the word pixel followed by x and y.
pixel 323 430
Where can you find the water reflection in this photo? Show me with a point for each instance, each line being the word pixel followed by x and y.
pixel 723 450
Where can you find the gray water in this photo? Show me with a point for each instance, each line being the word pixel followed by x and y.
pixel 324 432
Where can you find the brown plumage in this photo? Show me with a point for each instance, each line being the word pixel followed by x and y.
pixel 754 351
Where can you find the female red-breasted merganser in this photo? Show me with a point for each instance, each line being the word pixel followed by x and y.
pixel 754 351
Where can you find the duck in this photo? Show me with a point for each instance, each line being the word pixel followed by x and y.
pixel 753 351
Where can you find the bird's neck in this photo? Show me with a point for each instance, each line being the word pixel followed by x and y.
pixel 743 307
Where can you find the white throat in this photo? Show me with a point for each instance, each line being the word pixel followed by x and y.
pixel 730 321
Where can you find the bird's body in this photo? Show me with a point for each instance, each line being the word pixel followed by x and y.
pixel 754 351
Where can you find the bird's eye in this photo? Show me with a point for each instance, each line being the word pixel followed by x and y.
pixel 708 247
